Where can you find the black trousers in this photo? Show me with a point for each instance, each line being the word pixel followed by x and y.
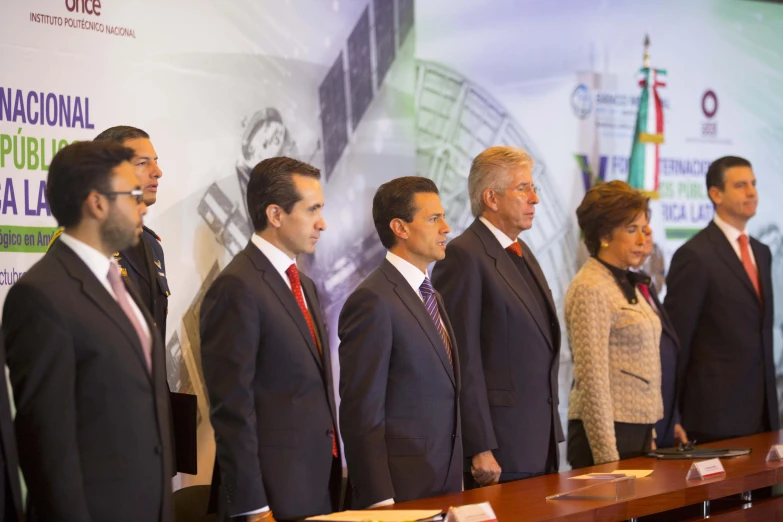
pixel 633 440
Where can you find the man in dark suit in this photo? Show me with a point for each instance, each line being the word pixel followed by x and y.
pixel 266 359
pixel 87 366
pixel 719 299
pixel 506 327
pixel 668 430
pixel 399 366
pixel 10 490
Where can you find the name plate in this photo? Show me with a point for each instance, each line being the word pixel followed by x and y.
pixel 775 452
pixel 472 513
pixel 705 469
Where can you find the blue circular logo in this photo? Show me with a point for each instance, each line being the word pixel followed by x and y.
pixel 581 101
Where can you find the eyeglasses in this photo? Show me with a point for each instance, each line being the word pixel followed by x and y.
pixel 531 189
pixel 138 194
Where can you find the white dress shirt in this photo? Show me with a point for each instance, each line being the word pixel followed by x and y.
pixel 99 266
pixel 505 241
pixel 733 234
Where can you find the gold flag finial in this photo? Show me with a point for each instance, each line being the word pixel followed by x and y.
pixel 647 50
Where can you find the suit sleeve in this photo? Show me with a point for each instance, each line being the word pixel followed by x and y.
pixel 589 325
pixel 42 361
pixel 365 351
pixel 230 337
pixel 458 280
pixel 686 285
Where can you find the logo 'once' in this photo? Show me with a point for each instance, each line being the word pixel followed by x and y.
pixel 90 7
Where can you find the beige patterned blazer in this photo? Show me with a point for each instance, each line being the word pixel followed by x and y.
pixel 617 362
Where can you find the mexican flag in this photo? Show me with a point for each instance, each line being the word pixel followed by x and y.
pixel 648 136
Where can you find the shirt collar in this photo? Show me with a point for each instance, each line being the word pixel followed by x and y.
pixel 412 275
pixel 627 280
pixel 95 260
pixel 731 233
pixel 277 257
pixel 505 241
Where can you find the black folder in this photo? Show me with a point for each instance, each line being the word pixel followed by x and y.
pixel 184 412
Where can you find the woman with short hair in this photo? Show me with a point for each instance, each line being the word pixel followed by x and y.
pixel 613 332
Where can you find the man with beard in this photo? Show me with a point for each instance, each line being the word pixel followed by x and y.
pixel 87 365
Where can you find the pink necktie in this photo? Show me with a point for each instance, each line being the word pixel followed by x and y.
pixel 123 299
pixel 748 263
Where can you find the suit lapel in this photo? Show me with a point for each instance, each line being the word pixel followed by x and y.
pixel 764 270
pixel 323 337
pixel 97 293
pixel 507 270
pixel 416 306
pixel 285 295
pixel 543 287
pixel 450 331
pixel 727 254
pixel 665 322
pixel 136 259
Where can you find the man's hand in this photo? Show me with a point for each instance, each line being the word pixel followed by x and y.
pixel 679 433
pixel 485 469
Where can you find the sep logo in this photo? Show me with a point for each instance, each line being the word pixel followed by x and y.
pixel 582 101
pixel 709 106
pixel 90 7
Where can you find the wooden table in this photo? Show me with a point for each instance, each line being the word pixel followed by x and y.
pixel 666 489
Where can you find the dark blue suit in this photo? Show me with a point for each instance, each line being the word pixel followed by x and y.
pixel 670 348
pixel 399 414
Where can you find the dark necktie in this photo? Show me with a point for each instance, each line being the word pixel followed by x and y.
pixel 431 304
pixel 296 287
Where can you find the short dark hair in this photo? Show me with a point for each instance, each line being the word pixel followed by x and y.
pixel 121 133
pixel 395 199
pixel 271 183
pixel 77 170
pixel 607 206
pixel 716 173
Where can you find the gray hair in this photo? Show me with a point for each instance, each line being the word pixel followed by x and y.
pixel 490 170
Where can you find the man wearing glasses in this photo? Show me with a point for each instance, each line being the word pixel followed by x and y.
pixel 505 321
pixel 86 362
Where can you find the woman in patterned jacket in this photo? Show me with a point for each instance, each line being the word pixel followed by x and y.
pixel 613 332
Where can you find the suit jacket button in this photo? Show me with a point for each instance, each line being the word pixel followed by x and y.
pixel 329 432
pixel 550 400
pixel 158 450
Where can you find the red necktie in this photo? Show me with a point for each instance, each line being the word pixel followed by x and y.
pixel 748 263
pixel 515 248
pixel 645 292
pixel 296 287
